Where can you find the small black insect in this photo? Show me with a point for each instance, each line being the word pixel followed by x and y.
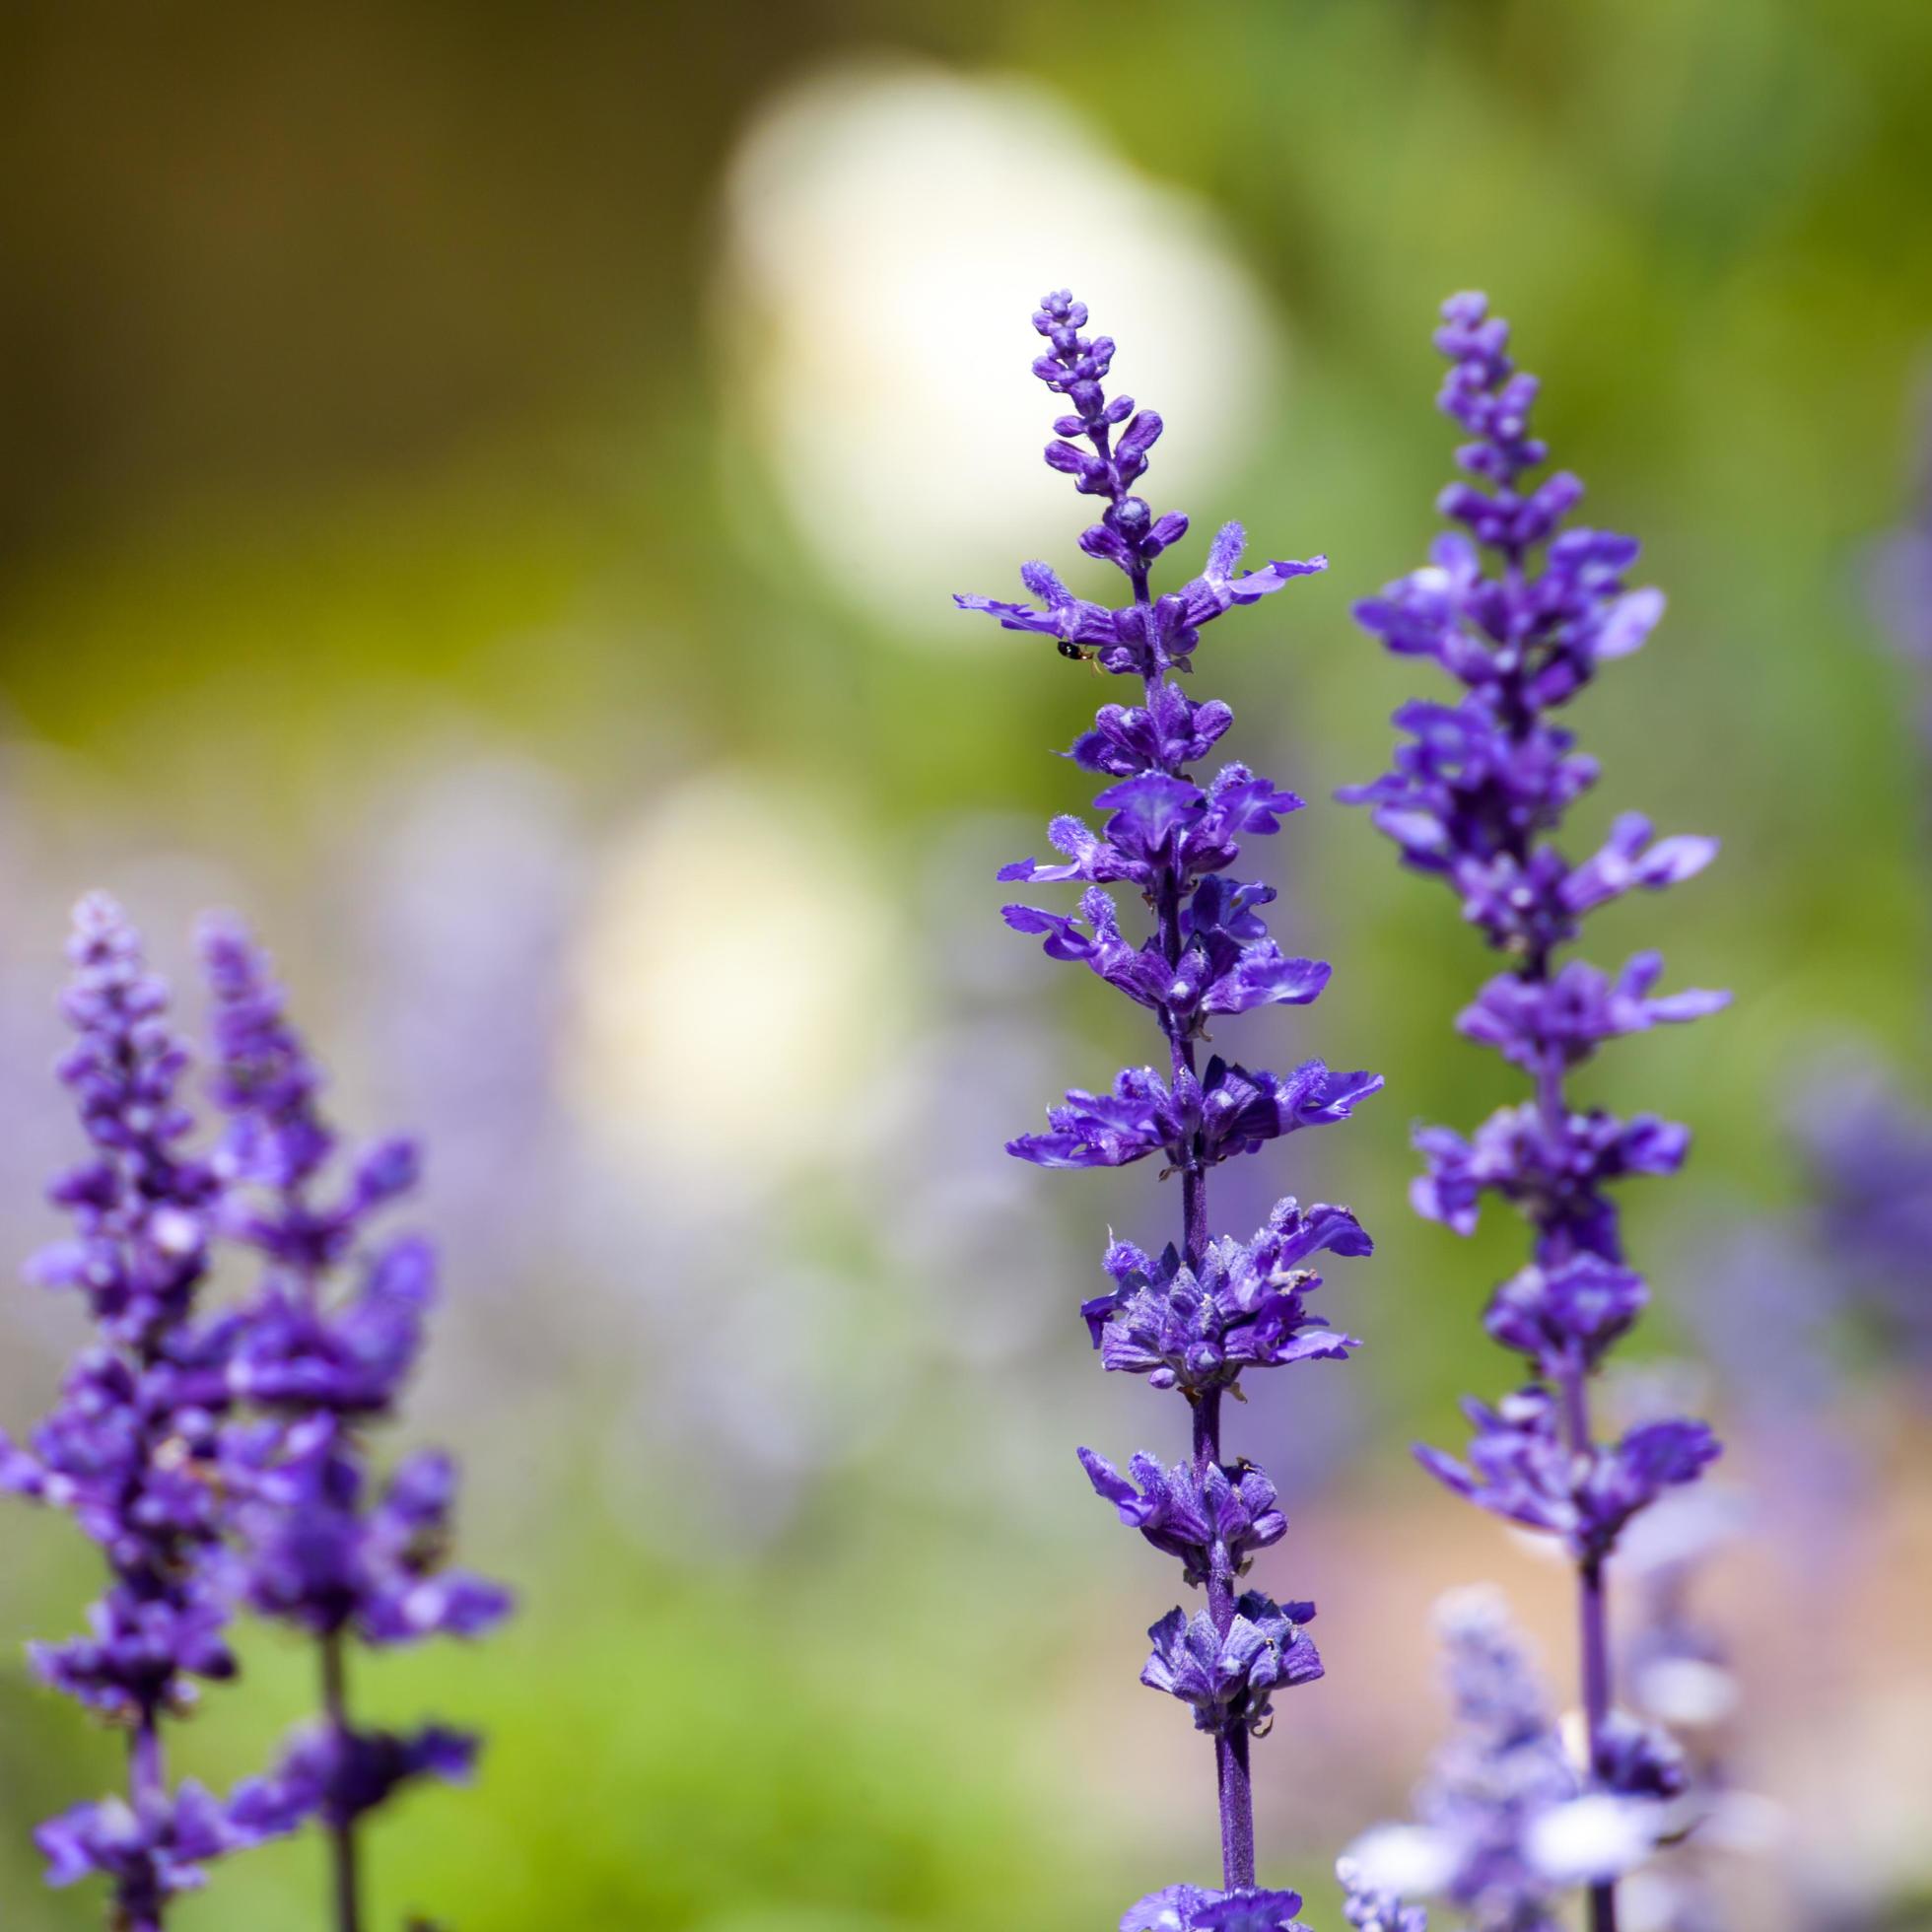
pixel 1068 649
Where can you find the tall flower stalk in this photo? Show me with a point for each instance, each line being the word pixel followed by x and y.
pixel 216 1455
pixel 132 1451
pixel 312 1359
pixel 1205 1309
pixel 1522 611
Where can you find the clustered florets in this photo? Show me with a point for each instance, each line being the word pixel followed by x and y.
pixel 213 1455
pixel 1524 1466
pixel 1506 1820
pixel 1475 797
pixel 1189 1908
pixel 1205 1311
pixel 1243 1305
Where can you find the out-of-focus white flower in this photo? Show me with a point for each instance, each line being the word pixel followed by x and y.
pixel 1408 1860
pixel 733 986
pixel 1686 1692
pixel 889 228
pixel 1592 1839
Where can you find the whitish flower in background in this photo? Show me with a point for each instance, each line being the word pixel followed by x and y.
pixel 735 989
pixel 1372 1909
pixel 1205 1311
pixel 1506 1819
pixel 878 215
pixel 1522 612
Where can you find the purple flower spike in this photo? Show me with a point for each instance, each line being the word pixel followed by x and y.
pixel 215 1460
pixel 131 1451
pixel 1205 1311
pixel 140 1203
pixel 1521 613
pixel 1371 1908
pixel 311 1359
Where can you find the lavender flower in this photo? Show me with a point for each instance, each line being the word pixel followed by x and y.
pixel 1505 1820
pixel 129 1451
pixel 1869 1152
pixel 1207 1310
pixel 1474 797
pixel 150 1850
pixel 1188 1908
pixel 325 1548
pixel 1370 1908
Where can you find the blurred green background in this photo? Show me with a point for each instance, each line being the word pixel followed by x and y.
pixel 483 486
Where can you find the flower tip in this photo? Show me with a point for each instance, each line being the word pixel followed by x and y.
pixel 98 908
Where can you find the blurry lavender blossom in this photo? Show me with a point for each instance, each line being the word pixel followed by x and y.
pixel 1506 1820
pixel 463 891
pixel 1204 1310
pixel 1372 1909
pixel 1867 1145
pixel 312 1360
pixel 134 1450
pixel 1679 1675
pixel 214 1455
pixel 1901 573
pixel 1857 1253
pixel 1869 1152
pixel 1475 798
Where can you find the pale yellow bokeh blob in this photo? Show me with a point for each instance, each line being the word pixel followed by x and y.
pixel 888 230
pixel 730 986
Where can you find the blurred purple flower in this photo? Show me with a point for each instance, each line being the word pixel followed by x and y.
pixel 1476 797
pixel 324 1548
pixel 1504 1820
pixel 128 1451
pixel 1522 1465
pixel 150 1851
pixel 340 1776
pixel 1371 1908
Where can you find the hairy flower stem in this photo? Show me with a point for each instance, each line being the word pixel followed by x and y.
pixel 1593 1617
pixel 1596 1704
pixel 341 1831
pixel 1593 1644
pixel 1231 1774
pixel 1237 1789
